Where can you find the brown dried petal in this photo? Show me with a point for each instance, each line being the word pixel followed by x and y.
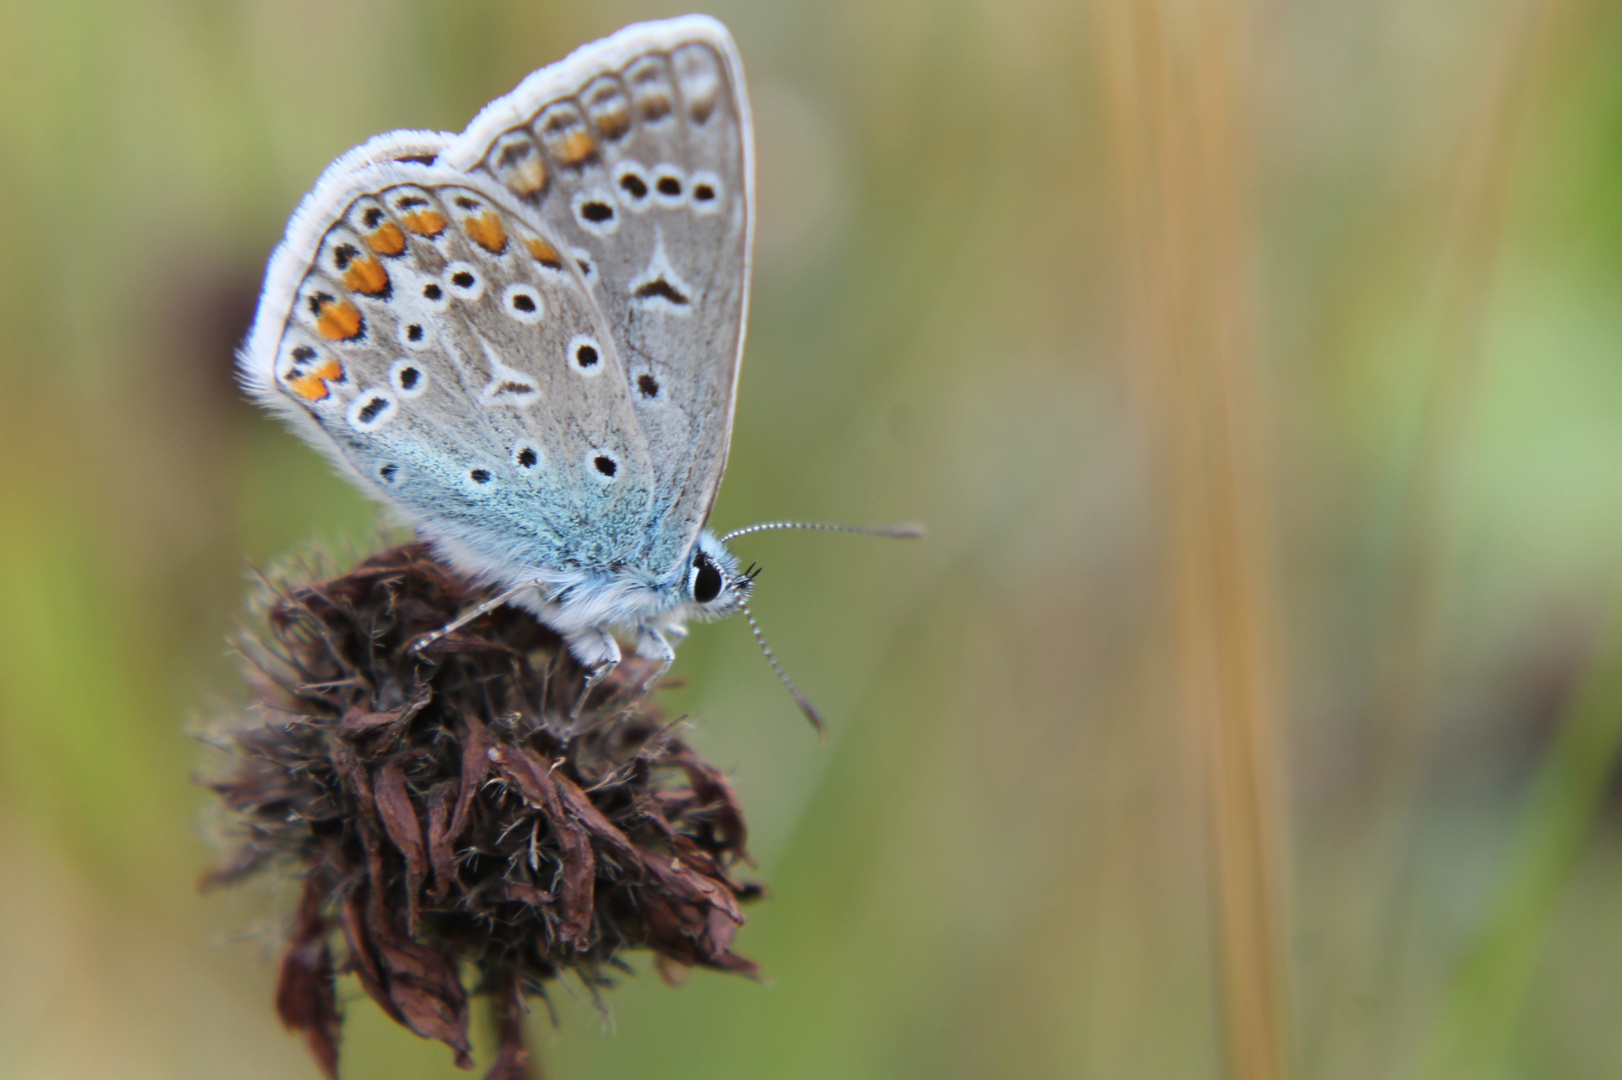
pixel 716 790
pixel 305 999
pixel 363 960
pixel 415 985
pixel 441 844
pixel 424 988
pixel 475 767
pixel 512 1062
pixel 400 822
pixel 532 776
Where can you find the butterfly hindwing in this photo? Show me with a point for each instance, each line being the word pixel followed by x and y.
pixel 635 153
pixel 450 354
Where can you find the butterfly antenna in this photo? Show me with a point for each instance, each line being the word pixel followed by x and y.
pixel 909 531
pixel 800 699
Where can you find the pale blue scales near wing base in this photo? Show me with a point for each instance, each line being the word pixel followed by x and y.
pixel 525 338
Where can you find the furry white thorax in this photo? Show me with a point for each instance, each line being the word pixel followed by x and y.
pixel 581 604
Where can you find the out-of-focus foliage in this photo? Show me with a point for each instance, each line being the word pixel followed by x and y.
pixel 1001 866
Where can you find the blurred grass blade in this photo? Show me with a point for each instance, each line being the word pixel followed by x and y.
pixel 1487 991
pixel 1174 73
pixel 1376 891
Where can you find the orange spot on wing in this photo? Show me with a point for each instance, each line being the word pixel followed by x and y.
pixel 544 253
pixel 614 122
pixel 339 320
pixel 309 387
pixel 576 147
pixel 387 240
pixel 487 231
pixel 312 386
pixel 367 276
pixel 527 176
pixel 425 222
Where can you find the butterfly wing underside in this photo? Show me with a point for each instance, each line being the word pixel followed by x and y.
pixel 527 336
pixel 636 152
pixel 436 341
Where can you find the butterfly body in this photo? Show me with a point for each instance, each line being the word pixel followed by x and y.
pixel 525 338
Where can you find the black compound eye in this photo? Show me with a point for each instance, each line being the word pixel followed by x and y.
pixel 706 579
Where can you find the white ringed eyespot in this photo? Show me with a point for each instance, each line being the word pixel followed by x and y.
pixel 464 280
pixel 584 355
pixel 371 409
pixel 408 378
pixel 522 302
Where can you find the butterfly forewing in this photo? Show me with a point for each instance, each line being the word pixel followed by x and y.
pixel 640 165
pixel 449 348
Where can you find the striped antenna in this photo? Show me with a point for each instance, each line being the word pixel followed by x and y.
pixel 908 531
pixel 800 699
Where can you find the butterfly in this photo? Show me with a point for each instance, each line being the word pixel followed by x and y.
pixel 525 338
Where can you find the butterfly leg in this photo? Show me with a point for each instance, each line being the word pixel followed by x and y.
pixel 462 620
pixel 651 645
pixel 599 654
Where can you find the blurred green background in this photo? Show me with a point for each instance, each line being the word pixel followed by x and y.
pixel 1258 369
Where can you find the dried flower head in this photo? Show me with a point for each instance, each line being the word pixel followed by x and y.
pixel 449 822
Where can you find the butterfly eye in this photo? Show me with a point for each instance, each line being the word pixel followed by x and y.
pixel 463 281
pixel 705 580
pixel 522 303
